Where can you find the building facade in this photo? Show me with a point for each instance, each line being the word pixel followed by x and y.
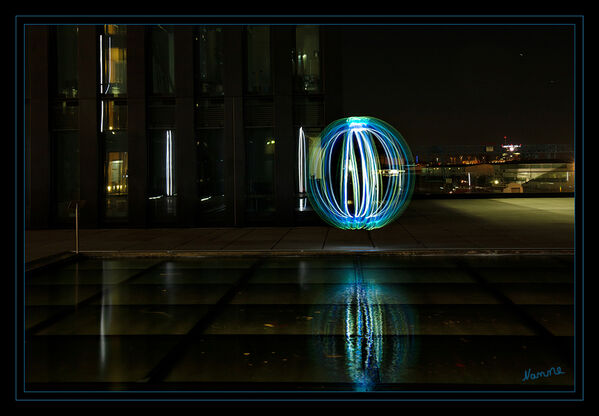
pixel 173 125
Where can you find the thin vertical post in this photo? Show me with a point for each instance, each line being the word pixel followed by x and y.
pixel 77 227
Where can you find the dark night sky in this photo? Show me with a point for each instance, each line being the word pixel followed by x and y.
pixel 463 84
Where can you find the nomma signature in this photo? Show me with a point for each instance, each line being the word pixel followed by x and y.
pixel 529 375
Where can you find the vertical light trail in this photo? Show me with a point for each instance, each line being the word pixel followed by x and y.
pixel 109 80
pixel 301 163
pixel 169 163
pixel 101 64
pixel 101 84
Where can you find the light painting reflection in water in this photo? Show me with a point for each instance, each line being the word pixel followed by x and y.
pixel 366 334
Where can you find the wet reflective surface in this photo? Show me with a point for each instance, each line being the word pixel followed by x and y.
pixel 336 323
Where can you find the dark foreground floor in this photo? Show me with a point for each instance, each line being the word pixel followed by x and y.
pixel 361 322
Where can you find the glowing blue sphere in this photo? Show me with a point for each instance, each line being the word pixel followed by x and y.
pixel 361 175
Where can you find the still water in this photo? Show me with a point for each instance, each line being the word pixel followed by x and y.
pixel 335 323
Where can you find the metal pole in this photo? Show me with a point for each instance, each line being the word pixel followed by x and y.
pixel 77 228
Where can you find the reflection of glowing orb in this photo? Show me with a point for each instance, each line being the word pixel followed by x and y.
pixel 365 337
pixel 361 175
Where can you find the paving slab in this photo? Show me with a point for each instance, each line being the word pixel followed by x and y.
pixel 498 223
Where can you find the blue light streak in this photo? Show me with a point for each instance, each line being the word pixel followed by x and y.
pixel 347 185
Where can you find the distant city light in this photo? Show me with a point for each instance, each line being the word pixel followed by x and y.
pixel 511 147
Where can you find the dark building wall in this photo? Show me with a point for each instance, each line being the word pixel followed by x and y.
pixel 90 161
pixel 40 176
pixel 91 154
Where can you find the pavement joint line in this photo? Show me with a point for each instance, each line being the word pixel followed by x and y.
pixel 214 232
pixel 72 308
pixel 283 236
pixel 166 364
pixel 525 317
pixel 370 238
pixel 326 235
pixel 237 238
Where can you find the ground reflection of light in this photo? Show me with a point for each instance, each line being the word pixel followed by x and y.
pixel 376 334
pixel 363 335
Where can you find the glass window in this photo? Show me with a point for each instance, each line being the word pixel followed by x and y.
pixel 161 113
pixel 208 55
pixel 306 60
pixel 258 76
pixel 162 184
pixel 162 42
pixel 113 115
pixel 210 172
pixel 65 172
pixel 113 60
pixel 65 115
pixel 67 74
pixel 260 172
pixel 116 174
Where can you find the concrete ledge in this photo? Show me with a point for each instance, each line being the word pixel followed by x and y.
pixel 51 260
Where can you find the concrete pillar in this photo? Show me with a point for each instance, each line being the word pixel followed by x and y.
pixel 136 129
pixel 39 167
pixel 282 43
pixel 234 129
pixel 184 135
pixel 90 159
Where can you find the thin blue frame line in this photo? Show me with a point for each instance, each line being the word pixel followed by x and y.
pixel 301 391
pixel 311 400
pixel 574 55
pixel 395 24
pixel 302 15
pixel 307 23
pixel 15 225
pixel 582 200
pixel 24 200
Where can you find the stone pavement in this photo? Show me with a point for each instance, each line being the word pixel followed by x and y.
pixel 426 225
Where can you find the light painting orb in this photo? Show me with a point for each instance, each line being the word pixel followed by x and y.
pixel 361 174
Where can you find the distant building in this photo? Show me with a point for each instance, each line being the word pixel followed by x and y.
pixel 492 153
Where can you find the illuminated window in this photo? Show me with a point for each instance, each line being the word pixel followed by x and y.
pixel 113 60
pixel 306 60
pixel 116 175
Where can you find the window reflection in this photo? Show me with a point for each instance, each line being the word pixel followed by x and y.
pixel 306 59
pixel 65 172
pixel 113 115
pixel 162 186
pixel 208 55
pixel 260 169
pixel 65 115
pixel 116 175
pixel 113 60
pixel 258 77
pixel 210 172
pixel 162 40
pixel 67 74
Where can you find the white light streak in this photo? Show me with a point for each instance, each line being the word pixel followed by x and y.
pixel 169 163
